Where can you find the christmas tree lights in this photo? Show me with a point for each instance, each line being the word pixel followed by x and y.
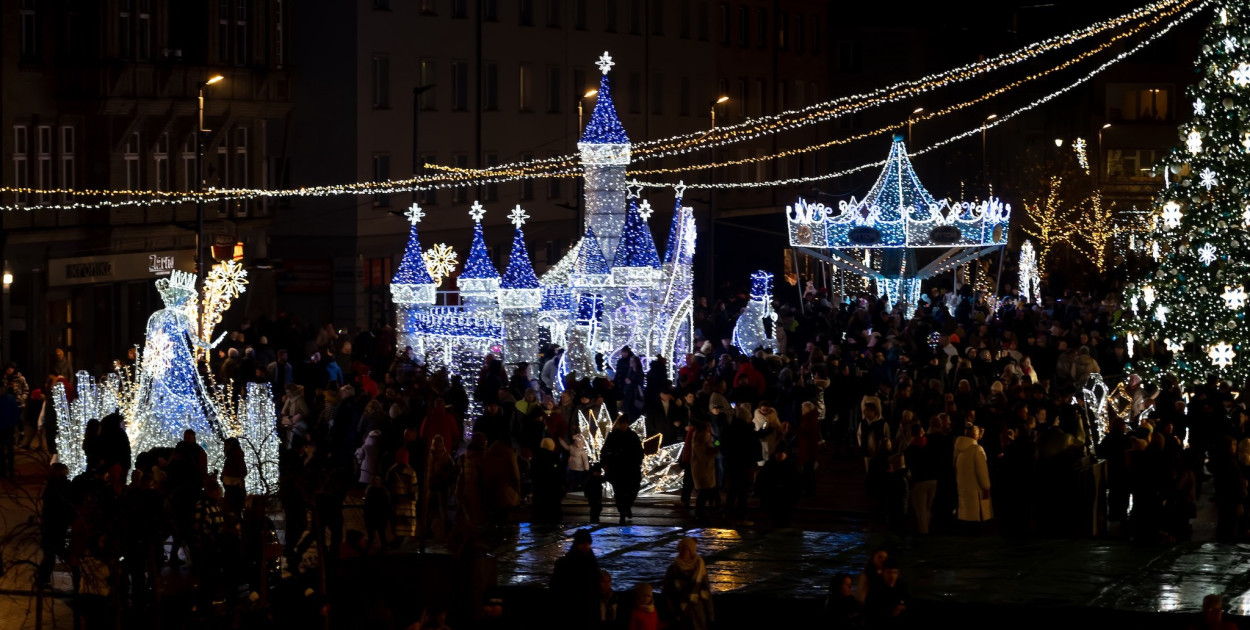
pixel 1197 326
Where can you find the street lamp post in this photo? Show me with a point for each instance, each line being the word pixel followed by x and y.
pixel 712 108
pixel 711 197
pixel 580 100
pixel 581 181
pixel 909 116
pixel 985 169
pixel 200 269
pixel 1101 161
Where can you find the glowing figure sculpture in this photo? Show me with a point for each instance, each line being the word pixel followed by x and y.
pixel 1030 281
pixel 755 327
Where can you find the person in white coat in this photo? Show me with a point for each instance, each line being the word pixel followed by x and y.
pixel 367 456
pixel 972 478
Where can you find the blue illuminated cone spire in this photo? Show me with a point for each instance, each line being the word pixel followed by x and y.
pixel 637 246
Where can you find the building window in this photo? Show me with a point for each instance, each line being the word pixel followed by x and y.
pixel 222 174
pixel 242 44
pixel 491 193
pixel 757 102
pixel 657 93
pixel 144 30
pixel 29 17
pixel 490 10
pixel 459 86
pixel 460 194
pixel 744 26
pixel 553 13
pixel 635 93
pixel 527 184
pixel 1135 102
pixel 279 42
pixel 609 16
pixel 43 158
pixel 800 33
pixel 1132 163
pixel 705 19
pixel 743 92
pixel 815 36
pixel 21 169
pixel 783 31
pixel 67 158
pixel 850 57
pixel 131 158
pixel 383 5
pixel 223 30
pixel 657 17
pixel 125 40
pixel 527 12
pixel 579 14
pixel 460 9
pixel 490 86
pixel 724 24
pixel 381 82
pixel 683 106
pixel 635 17
pixel 553 90
pixel 381 173
pixel 429 196
pixel 761 17
pixel 427 76
pixel 160 160
pixel 526 91
pixel 429 7
pixel 188 164
pixel 683 14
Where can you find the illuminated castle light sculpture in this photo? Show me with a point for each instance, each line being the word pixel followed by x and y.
pixel 611 290
pixel 878 237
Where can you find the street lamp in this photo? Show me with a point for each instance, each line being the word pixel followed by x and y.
pixel 913 113
pixel 984 160
pixel 580 100
pixel 200 270
pixel 712 108
pixel 1101 161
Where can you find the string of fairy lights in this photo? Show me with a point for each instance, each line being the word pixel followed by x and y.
pixel 753 128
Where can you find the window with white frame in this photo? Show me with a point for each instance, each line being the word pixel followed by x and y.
pixel 381 82
pixel 427 76
pixel 490 86
pixel 279 41
pixel 220 177
pixel 381 173
pixel 553 89
pixel 160 162
pixel 527 184
pixel 143 29
pixel 21 168
pixel 43 158
pixel 134 170
pixel 526 91
pixel 428 196
pixel 125 37
pixel 240 178
pixel 188 163
pixel 67 158
pixel 223 31
pixel 242 45
pixel 29 17
pixel 459 86
pixel 555 185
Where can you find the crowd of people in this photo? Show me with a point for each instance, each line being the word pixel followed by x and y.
pixel 968 415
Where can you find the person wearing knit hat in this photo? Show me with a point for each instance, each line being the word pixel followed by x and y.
pixel 718 404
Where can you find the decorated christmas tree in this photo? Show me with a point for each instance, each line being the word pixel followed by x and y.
pixel 1189 309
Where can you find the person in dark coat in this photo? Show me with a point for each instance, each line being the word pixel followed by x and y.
pixel 742 455
pixel 10 420
pixel 57 515
pixel 548 483
pixel 575 584
pixel 778 485
pixel 622 463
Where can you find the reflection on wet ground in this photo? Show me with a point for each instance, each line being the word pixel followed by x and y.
pixel 792 564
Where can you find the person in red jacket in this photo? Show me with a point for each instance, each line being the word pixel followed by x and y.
pixel 440 422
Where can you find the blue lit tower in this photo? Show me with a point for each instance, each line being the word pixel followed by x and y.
pixel 636 261
pixel 673 331
pixel 520 295
pixel 479 280
pixel 412 287
pixel 752 330
pixel 605 154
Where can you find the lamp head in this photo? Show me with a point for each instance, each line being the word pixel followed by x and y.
pixel 991 117
pixel 722 100
pixel 1058 142
pixel 1106 125
pixel 590 93
pixel 214 79
pixel 917 110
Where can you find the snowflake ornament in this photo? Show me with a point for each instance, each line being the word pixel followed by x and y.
pixel 1207 178
pixel 158 354
pixel 1241 76
pixel 1221 354
pixel 1200 108
pixel 1206 254
pixel 1172 214
pixel 518 216
pixel 605 62
pixel 1172 346
pixel 1245 141
pixel 476 212
pixel 1234 299
pixel 1245 217
pixel 440 260
pixel 229 278
pixel 1161 313
pixel 1148 295
pixel 645 210
pixel 1194 142
pixel 414 214
pixel 1231 44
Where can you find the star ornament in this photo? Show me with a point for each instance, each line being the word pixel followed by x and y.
pixel 476 212
pixel 645 210
pixel 414 214
pixel 680 188
pixel 1207 254
pixel 1241 76
pixel 1221 354
pixel 1234 299
pixel 605 62
pixel 518 216
pixel 633 190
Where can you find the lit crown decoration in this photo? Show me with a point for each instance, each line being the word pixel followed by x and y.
pixel 898 212
pixel 604 140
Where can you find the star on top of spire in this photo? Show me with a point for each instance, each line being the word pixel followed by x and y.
pixel 680 188
pixel 518 216
pixel 414 214
pixel 634 189
pixel 645 210
pixel 476 212
pixel 605 62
